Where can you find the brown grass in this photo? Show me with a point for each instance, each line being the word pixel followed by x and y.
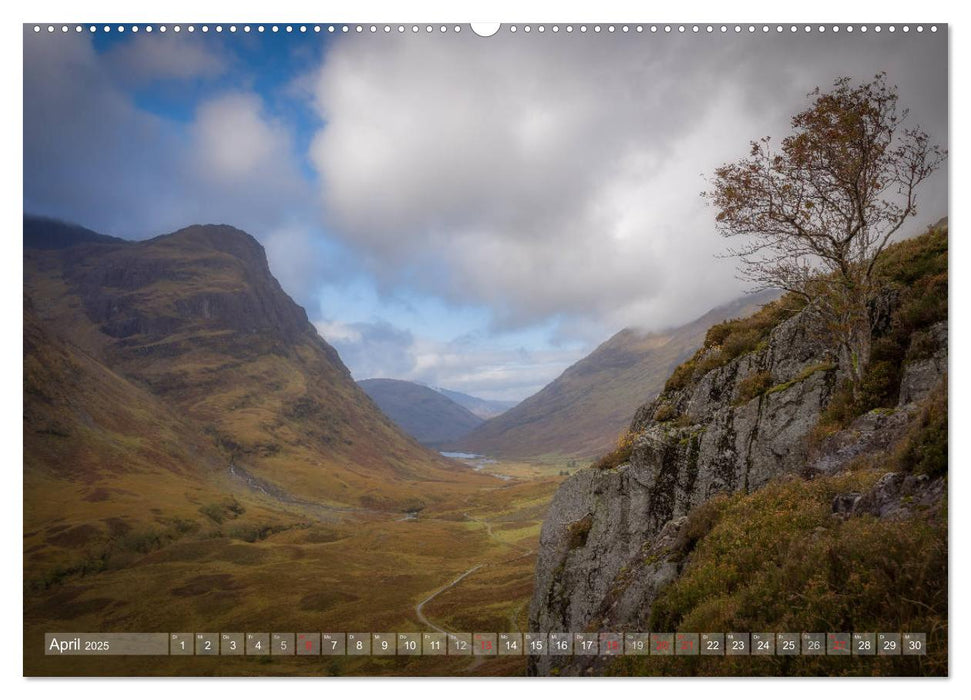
pixel 733 338
pixel 620 454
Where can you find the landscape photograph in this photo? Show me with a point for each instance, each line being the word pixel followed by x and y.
pixel 540 350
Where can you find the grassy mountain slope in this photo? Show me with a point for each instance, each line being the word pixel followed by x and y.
pixel 581 412
pixel 778 559
pixel 110 471
pixel 425 414
pixel 196 320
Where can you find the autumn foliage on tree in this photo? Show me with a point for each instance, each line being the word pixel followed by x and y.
pixel 815 214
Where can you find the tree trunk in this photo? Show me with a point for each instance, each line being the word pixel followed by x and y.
pixel 855 357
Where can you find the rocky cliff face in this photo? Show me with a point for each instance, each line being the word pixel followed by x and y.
pixel 614 537
pixel 211 277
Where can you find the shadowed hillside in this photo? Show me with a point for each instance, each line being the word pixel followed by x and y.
pixel 581 412
pixel 425 414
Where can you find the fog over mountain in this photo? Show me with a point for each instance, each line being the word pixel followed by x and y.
pixel 582 412
pixel 483 408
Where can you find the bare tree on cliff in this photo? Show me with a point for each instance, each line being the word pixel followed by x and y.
pixel 817 213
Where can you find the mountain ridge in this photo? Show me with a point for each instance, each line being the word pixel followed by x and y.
pixel 196 319
pixel 427 415
pixel 46 233
pixel 581 412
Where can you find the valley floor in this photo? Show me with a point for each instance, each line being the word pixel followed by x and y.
pixel 466 564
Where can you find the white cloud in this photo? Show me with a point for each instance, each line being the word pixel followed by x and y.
pixel 559 176
pixel 235 141
pixel 125 171
pixel 338 332
pixel 545 184
pixel 481 367
pixel 148 58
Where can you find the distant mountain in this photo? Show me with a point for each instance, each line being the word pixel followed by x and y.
pixel 582 412
pixel 427 415
pixel 483 408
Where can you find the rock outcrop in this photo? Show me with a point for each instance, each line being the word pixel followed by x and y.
pixel 613 537
pixel 929 362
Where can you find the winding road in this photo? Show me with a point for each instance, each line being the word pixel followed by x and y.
pixel 419 613
pixel 418 608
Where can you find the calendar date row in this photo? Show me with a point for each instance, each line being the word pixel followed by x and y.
pixel 488 644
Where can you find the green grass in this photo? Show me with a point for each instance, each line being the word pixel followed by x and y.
pixel 579 531
pixel 915 272
pixel 665 412
pixel 226 509
pixel 801 377
pixel 925 448
pixel 777 560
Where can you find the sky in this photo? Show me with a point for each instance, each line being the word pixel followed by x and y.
pixel 466 212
